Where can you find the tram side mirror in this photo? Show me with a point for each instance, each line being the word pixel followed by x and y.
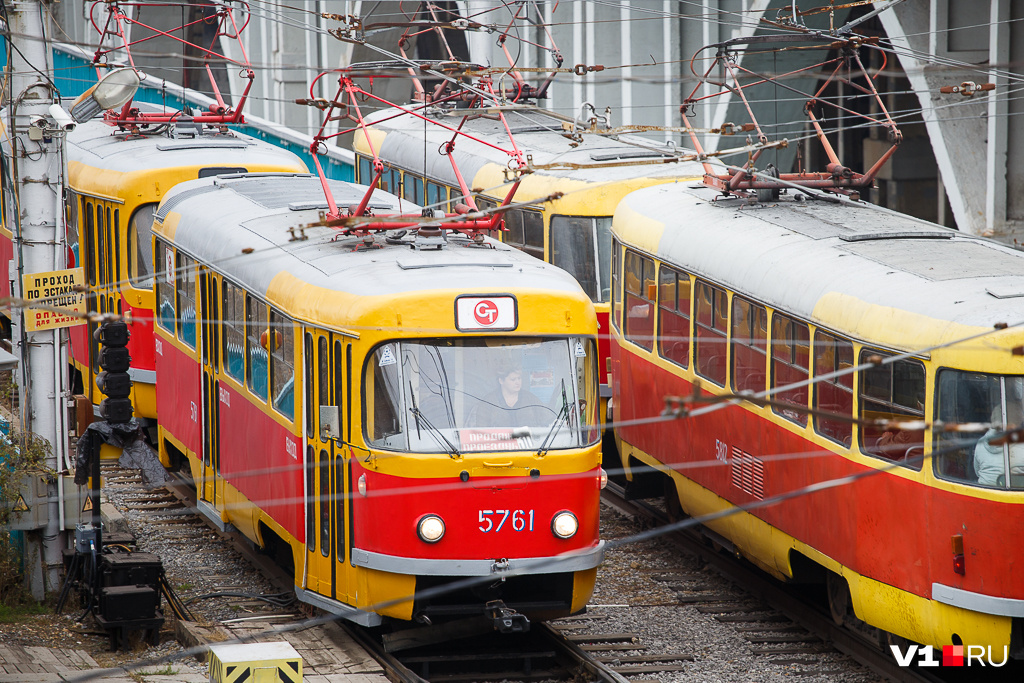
pixel 330 422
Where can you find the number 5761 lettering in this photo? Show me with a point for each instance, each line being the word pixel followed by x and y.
pixel 494 520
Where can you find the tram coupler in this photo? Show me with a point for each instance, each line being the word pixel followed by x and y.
pixel 505 619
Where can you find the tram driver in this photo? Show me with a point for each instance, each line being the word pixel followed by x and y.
pixel 989 460
pixel 509 405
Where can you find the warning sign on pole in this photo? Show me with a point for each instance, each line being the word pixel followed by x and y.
pixel 54 290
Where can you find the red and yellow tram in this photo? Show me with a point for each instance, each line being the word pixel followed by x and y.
pixel 344 401
pixel 116 179
pixel 872 318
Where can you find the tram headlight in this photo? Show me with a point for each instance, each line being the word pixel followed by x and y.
pixel 564 524
pixel 361 484
pixel 602 479
pixel 430 528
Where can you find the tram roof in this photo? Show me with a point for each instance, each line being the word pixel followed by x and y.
pixel 99 145
pixel 414 145
pixel 832 263
pixel 221 217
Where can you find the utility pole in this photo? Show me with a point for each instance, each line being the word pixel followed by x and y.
pixel 37 161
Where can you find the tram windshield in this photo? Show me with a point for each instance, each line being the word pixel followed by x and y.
pixel 481 394
pixel 995 403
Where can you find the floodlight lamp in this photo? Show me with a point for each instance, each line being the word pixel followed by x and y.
pixel 113 90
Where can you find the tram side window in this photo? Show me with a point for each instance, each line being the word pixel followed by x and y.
pixel 116 229
pixel 71 221
pixel 165 288
pixel 437 196
pixel 893 391
pixel 140 242
pixel 711 319
pixel 90 242
pixel 323 373
pixel 307 363
pixel 280 344
pixel 413 188
pixel 791 355
pixel 233 333
pixel 616 290
pixel 971 457
pixel 365 168
pixel 100 245
pixel 255 332
pixel 674 316
pixel 381 410
pixel 749 345
pixel 185 277
pixel 580 246
pixel 310 499
pixel 525 231
pixel 325 504
pixel 832 354
pixel 640 295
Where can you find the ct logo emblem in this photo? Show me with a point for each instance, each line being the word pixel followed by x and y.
pixel 485 312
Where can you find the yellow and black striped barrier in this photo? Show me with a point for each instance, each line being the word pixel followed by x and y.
pixel 255 663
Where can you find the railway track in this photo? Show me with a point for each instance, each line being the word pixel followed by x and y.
pixel 778 623
pixel 551 653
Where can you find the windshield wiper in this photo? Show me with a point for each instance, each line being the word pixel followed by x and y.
pixel 438 435
pixel 556 425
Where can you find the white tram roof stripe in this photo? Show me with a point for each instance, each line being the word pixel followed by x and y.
pixel 219 217
pixel 790 254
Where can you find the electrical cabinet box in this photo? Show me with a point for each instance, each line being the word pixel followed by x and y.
pixel 255 663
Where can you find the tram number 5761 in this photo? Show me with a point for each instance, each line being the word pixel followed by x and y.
pixel 495 520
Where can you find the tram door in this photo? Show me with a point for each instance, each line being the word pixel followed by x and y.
pixel 208 317
pixel 326 475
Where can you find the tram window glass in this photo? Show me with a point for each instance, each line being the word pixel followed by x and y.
pixel 674 316
pixel 483 203
pixel 108 256
pixel 390 181
pixel 339 380
pixel 165 290
pixel 116 229
pixel 308 364
pixel 413 188
pixel 749 345
pixel 325 507
pixel 711 319
pixel 339 508
pixel 140 246
pixel 641 292
pixel 256 352
pixel 185 279
pixel 71 221
pixel 101 253
pixel 893 391
pixel 90 237
pixel 514 226
pixel 437 196
pixel 970 457
pixel 447 396
pixel 323 372
pixel 280 343
pixel 791 350
pixel 832 354
pixel 233 334
pixel 365 168
pixel 533 233
pixel 578 245
pixel 310 498
pixel 616 280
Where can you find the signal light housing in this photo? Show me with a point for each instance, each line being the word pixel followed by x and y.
pixel 114 381
pixel 959 563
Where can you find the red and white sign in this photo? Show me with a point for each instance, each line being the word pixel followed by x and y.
pixel 497 313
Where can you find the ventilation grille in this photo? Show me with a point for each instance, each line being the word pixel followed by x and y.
pixel 748 473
